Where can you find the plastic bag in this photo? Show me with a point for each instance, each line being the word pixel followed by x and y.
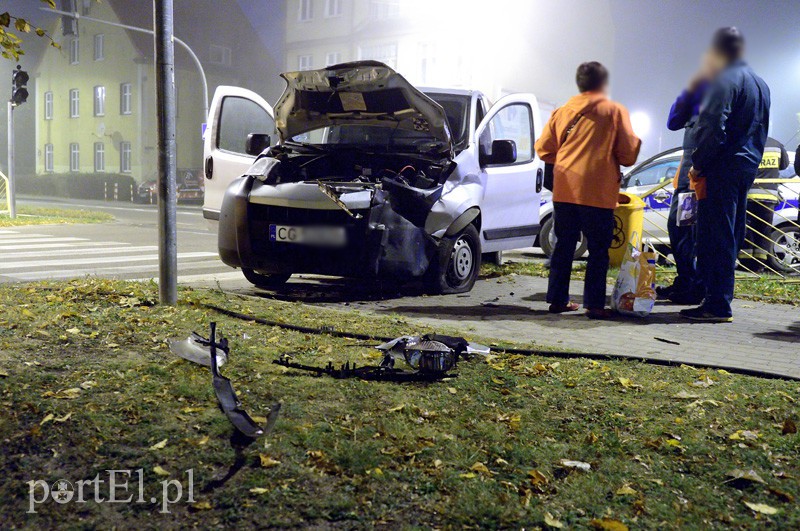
pixel 687 209
pixel 635 289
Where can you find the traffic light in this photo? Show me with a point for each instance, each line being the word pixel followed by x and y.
pixel 19 90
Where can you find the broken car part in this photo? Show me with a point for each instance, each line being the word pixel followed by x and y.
pixel 197 349
pixel 383 373
pixel 226 396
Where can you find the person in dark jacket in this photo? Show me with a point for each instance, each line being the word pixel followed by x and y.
pixel 730 135
pixel 762 199
pixel 797 162
pixel 687 288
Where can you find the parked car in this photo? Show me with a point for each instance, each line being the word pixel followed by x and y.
pixel 189 188
pixel 784 255
pixel 371 177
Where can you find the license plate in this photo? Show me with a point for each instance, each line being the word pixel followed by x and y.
pixel 319 236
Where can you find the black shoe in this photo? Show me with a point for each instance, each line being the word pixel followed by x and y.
pixel 664 292
pixel 684 297
pixel 700 314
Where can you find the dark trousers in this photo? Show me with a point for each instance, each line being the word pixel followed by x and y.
pixel 721 225
pixel 760 226
pixel 597 225
pixel 683 243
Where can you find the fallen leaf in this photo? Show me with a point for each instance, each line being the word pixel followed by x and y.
pixel 452 390
pixel 468 475
pixel 743 435
pixel 68 394
pixel 267 461
pixel 552 522
pixel 789 427
pixel 480 468
pixel 396 408
pixel 762 508
pixel 159 445
pixel 738 474
pixel 705 381
pixel 47 418
pixel 88 384
pixel 437 463
pixel 783 496
pixel 160 471
pixel 203 440
pixel 627 383
pixel 537 478
pixel 64 418
pixel 259 490
pixel 608 524
pixel 576 464
pixel 684 395
pixel 626 490
pixel 201 506
pixel 73 331
pixel 3 374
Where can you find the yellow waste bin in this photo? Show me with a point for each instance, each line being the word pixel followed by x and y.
pixel 628 226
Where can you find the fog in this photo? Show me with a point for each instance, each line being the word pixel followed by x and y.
pixel 498 47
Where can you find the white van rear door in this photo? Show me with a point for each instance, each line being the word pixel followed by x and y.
pixel 512 192
pixel 235 113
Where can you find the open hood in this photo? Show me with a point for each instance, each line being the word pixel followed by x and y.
pixel 361 92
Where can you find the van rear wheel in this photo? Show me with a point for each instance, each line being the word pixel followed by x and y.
pixel 265 281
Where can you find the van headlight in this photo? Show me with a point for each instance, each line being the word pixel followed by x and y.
pixel 265 169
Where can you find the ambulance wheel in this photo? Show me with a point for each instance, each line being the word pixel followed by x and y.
pixel 458 263
pixel 547 240
pixel 263 281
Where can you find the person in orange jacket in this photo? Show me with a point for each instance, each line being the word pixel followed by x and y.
pixel 586 140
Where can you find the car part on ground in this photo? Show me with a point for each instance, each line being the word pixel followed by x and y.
pixel 378 373
pixel 194 349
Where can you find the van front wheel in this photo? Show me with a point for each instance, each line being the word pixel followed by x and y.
pixel 457 264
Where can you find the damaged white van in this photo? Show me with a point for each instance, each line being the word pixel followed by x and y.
pixel 370 177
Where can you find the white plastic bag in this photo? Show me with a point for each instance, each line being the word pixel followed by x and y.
pixel 635 289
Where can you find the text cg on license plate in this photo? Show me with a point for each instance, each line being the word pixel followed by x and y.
pixel 321 236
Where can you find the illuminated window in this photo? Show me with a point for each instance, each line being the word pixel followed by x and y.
pixel 333 8
pixel 305 62
pixel 333 58
pixel 74 103
pixel 99 101
pixel 99 47
pixel 74 51
pixel 125 98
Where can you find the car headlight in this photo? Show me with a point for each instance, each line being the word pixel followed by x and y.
pixel 265 169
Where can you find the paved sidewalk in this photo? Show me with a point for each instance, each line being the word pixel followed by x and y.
pixel 763 337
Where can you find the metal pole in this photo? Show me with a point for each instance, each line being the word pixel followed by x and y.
pixel 185 46
pixel 166 111
pixel 12 199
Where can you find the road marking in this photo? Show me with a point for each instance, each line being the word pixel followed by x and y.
pixel 9 232
pixel 43 240
pixel 211 277
pixel 77 246
pixel 151 271
pixel 102 250
pixel 13 235
pixel 91 261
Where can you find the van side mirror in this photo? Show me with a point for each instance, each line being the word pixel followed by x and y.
pixel 256 143
pixel 503 152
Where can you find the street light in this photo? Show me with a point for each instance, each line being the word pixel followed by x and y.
pixel 640 122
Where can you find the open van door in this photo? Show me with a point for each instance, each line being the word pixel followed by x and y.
pixel 512 172
pixel 235 113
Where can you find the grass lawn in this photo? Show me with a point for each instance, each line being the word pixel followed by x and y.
pixel 27 215
pixel 765 288
pixel 87 384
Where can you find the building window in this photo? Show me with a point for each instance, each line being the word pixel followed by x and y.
pixel 125 98
pixel 99 157
pixel 305 12
pixel 74 158
pixel 305 62
pixel 74 51
pixel 74 103
pixel 125 157
pixel 333 58
pixel 48 157
pixel 99 101
pixel 220 55
pixel 383 9
pixel 385 53
pixel 333 8
pixel 99 47
pixel 48 105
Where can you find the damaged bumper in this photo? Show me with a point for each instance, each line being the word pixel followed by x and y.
pixel 380 228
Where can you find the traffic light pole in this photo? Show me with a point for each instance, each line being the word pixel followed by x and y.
pixel 166 111
pixel 12 200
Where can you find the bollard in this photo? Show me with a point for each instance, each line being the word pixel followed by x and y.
pixel 116 191
pixel 132 201
pixel 105 190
